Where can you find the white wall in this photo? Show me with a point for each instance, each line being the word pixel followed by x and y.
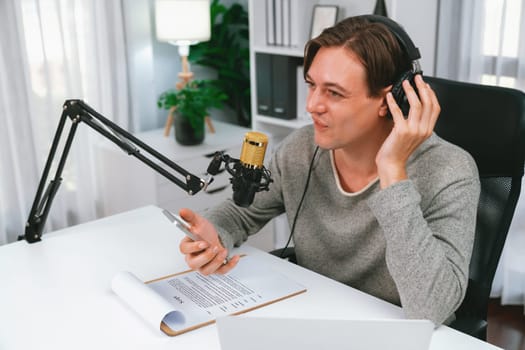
pixel 419 19
pixel 139 45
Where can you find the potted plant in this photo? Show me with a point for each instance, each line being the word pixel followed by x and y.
pixel 191 104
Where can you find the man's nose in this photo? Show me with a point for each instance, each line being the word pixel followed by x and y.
pixel 314 101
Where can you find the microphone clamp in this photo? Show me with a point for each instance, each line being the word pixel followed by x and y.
pixel 245 180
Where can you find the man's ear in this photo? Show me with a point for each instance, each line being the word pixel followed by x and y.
pixel 383 109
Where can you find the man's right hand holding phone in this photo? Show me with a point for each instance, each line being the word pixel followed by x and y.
pixel 206 255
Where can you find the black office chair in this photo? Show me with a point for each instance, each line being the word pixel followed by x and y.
pixel 488 122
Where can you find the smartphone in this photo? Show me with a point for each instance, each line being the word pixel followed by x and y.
pixel 183 225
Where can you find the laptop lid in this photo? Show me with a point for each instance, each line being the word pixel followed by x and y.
pixel 257 333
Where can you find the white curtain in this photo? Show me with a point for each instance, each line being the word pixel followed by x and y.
pixel 53 50
pixel 483 41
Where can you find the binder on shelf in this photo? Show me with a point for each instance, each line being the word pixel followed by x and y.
pixel 300 22
pixel 278 19
pixel 270 22
pixel 263 77
pixel 284 87
pixel 286 22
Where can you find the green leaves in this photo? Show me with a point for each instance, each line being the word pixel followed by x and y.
pixel 227 52
pixel 194 100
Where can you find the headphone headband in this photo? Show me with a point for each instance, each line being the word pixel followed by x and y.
pixel 413 54
pixel 399 33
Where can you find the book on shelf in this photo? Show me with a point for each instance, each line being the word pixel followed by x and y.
pixel 188 300
pixel 300 21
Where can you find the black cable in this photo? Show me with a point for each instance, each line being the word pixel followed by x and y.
pixel 300 203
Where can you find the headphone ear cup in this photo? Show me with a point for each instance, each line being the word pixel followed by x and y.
pixel 399 94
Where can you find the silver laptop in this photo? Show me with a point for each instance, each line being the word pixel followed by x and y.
pixel 257 333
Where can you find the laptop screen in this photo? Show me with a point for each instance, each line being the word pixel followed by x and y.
pixel 247 332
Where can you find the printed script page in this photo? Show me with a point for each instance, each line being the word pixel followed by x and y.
pixel 195 299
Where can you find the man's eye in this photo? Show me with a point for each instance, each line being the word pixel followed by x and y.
pixel 309 84
pixel 334 93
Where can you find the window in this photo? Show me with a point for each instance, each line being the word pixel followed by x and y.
pixel 500 42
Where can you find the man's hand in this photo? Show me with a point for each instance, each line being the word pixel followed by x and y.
pixel 407 134
pixel 206 255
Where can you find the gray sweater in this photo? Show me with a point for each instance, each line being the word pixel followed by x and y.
pixel 409 244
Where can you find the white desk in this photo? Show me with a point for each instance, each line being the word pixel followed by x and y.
pixel 55 294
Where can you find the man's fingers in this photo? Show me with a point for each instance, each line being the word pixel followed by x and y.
pixel 188 215
pixel 431 108
pixel 200 260
pixel 189 246
pixel 225 268
pixel 208 255
pixel 393 107
pixel 215 263
pixel 436 107
pixel 414 113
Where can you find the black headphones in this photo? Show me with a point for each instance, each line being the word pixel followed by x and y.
pixel 413 54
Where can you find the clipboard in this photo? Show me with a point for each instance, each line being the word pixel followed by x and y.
pixel 184 301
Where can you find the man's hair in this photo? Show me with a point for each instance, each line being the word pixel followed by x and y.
pixel 374 44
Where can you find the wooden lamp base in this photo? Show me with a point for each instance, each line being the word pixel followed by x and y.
pixel 185 76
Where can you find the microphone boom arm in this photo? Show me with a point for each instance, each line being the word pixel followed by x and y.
pixel 78 111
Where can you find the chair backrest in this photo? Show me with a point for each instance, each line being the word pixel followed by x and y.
pixel 489 123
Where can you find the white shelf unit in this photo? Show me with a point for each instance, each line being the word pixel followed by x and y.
pixel 276 127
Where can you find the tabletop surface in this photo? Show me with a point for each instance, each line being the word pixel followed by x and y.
pixel 55 294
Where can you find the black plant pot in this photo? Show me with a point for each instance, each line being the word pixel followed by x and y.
pixel 184 132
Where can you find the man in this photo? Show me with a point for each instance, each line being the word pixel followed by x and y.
pixel 377 202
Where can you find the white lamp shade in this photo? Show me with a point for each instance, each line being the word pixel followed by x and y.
pixel 182 22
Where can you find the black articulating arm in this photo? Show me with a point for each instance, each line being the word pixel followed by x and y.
pixel 78 111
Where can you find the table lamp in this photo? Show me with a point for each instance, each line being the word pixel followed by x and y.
pixel 182 23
